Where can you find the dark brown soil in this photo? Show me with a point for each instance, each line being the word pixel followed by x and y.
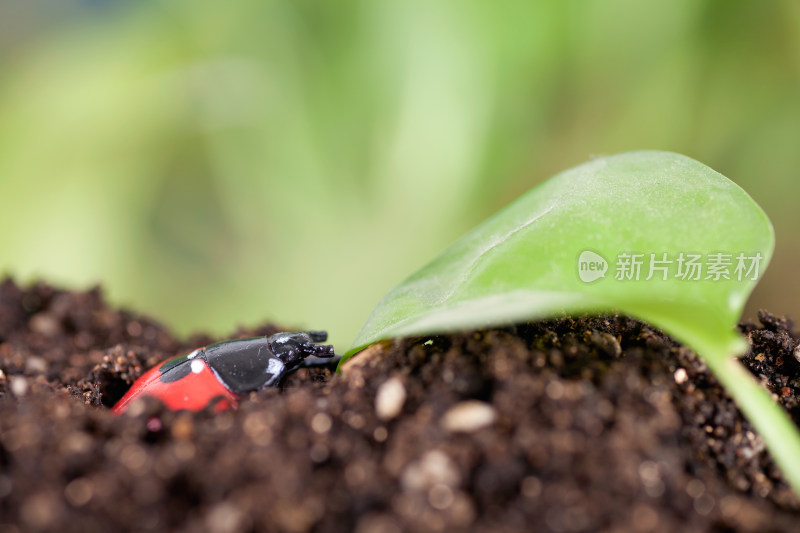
pixel 571 425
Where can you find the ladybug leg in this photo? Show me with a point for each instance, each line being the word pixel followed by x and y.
pixel 318 336
pixel 319 362
pixel 320 350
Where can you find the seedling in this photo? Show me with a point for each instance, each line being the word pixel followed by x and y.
pixel 654 235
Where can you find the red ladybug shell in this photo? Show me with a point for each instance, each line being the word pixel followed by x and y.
pixel 222 373
pixel 196 389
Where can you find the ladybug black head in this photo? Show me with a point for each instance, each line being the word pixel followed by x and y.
pixel 293 348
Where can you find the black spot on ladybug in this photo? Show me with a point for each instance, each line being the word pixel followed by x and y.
pixel 244 365
pixel 175 369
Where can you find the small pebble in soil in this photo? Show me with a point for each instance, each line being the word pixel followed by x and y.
pixel 469 416
pixel 390 398
pixel 435 467
pixel 18 386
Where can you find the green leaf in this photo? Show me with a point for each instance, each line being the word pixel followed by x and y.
pixel 522 263
pixel 564 248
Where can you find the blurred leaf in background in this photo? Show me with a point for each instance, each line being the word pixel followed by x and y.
pixel 293 160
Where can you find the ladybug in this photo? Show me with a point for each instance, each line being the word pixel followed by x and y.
pixel 222 373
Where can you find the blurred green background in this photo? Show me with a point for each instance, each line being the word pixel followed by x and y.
pixel 222 164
